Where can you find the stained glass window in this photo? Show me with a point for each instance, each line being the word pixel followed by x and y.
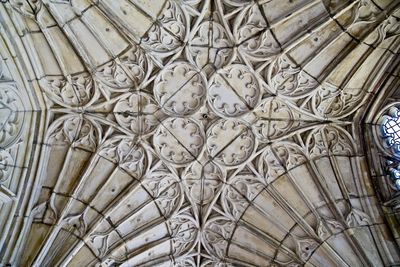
pixel 391 133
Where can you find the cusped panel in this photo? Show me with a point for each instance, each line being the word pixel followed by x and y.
pixel 194 132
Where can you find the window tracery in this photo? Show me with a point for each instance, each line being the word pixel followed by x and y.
pixel 390 124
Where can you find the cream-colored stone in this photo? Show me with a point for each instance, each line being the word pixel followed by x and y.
pixel 197 133
pixel 129 16
pixel 153 8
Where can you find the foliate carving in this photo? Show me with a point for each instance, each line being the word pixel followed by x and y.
pixel 127 153
pixel 290 154
pixel 12 138
pixel 128 71
pixel 248 23
pixel 168 35
pixel 6 165
pixel 388 28
pixel 50 212
pixel 317 145
pixel 179 140
pixel 77 223
pixel 233 202
pixel 114 76
pixel 166 191
pixel 322 231
pixel 100 242
pixel 216 51
pixel 39 210
pixel 203 182
pixel 170 200
pixel 233 91
pixel 332 101
pixel 204 112
pixel 357 218
pixel 216 234
pixel 159 40
pixel 75 130
pixel 328 227
pixel 70 91
pixel 185 232
pixel 338 141
pixel 277 119
pixel 174 20
pixel 262 47
pixel 269 166
pixel 329 140
pixel 363 12
pixel 136 64
pixel 367 11
pixel 138 112
pixel 288 79
pixel 248 186
pixel 4 72
pixel 230 142
pixel 180 89
pixel 11 115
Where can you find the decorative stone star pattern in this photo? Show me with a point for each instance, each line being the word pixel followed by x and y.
pixel 198 133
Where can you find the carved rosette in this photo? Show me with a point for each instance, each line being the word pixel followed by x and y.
pixel 233 91
pixel 180 89
pixel 230 142
pixel 179 140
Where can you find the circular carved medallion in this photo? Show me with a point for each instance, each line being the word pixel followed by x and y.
pixel 233 91
pixel 230 142
pixel 179 140
pixel 180 89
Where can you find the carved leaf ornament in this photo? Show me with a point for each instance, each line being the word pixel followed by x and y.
pixel 199 133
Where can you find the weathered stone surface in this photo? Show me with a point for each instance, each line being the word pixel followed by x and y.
pixel 196 132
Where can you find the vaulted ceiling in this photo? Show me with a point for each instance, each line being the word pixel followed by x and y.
pixel 193 133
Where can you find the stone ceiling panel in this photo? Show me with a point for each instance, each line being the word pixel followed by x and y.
pixel 195 133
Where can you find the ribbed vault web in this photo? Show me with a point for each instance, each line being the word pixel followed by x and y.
pixel 191 133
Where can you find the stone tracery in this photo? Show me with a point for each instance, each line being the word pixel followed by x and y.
pixel 201 133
